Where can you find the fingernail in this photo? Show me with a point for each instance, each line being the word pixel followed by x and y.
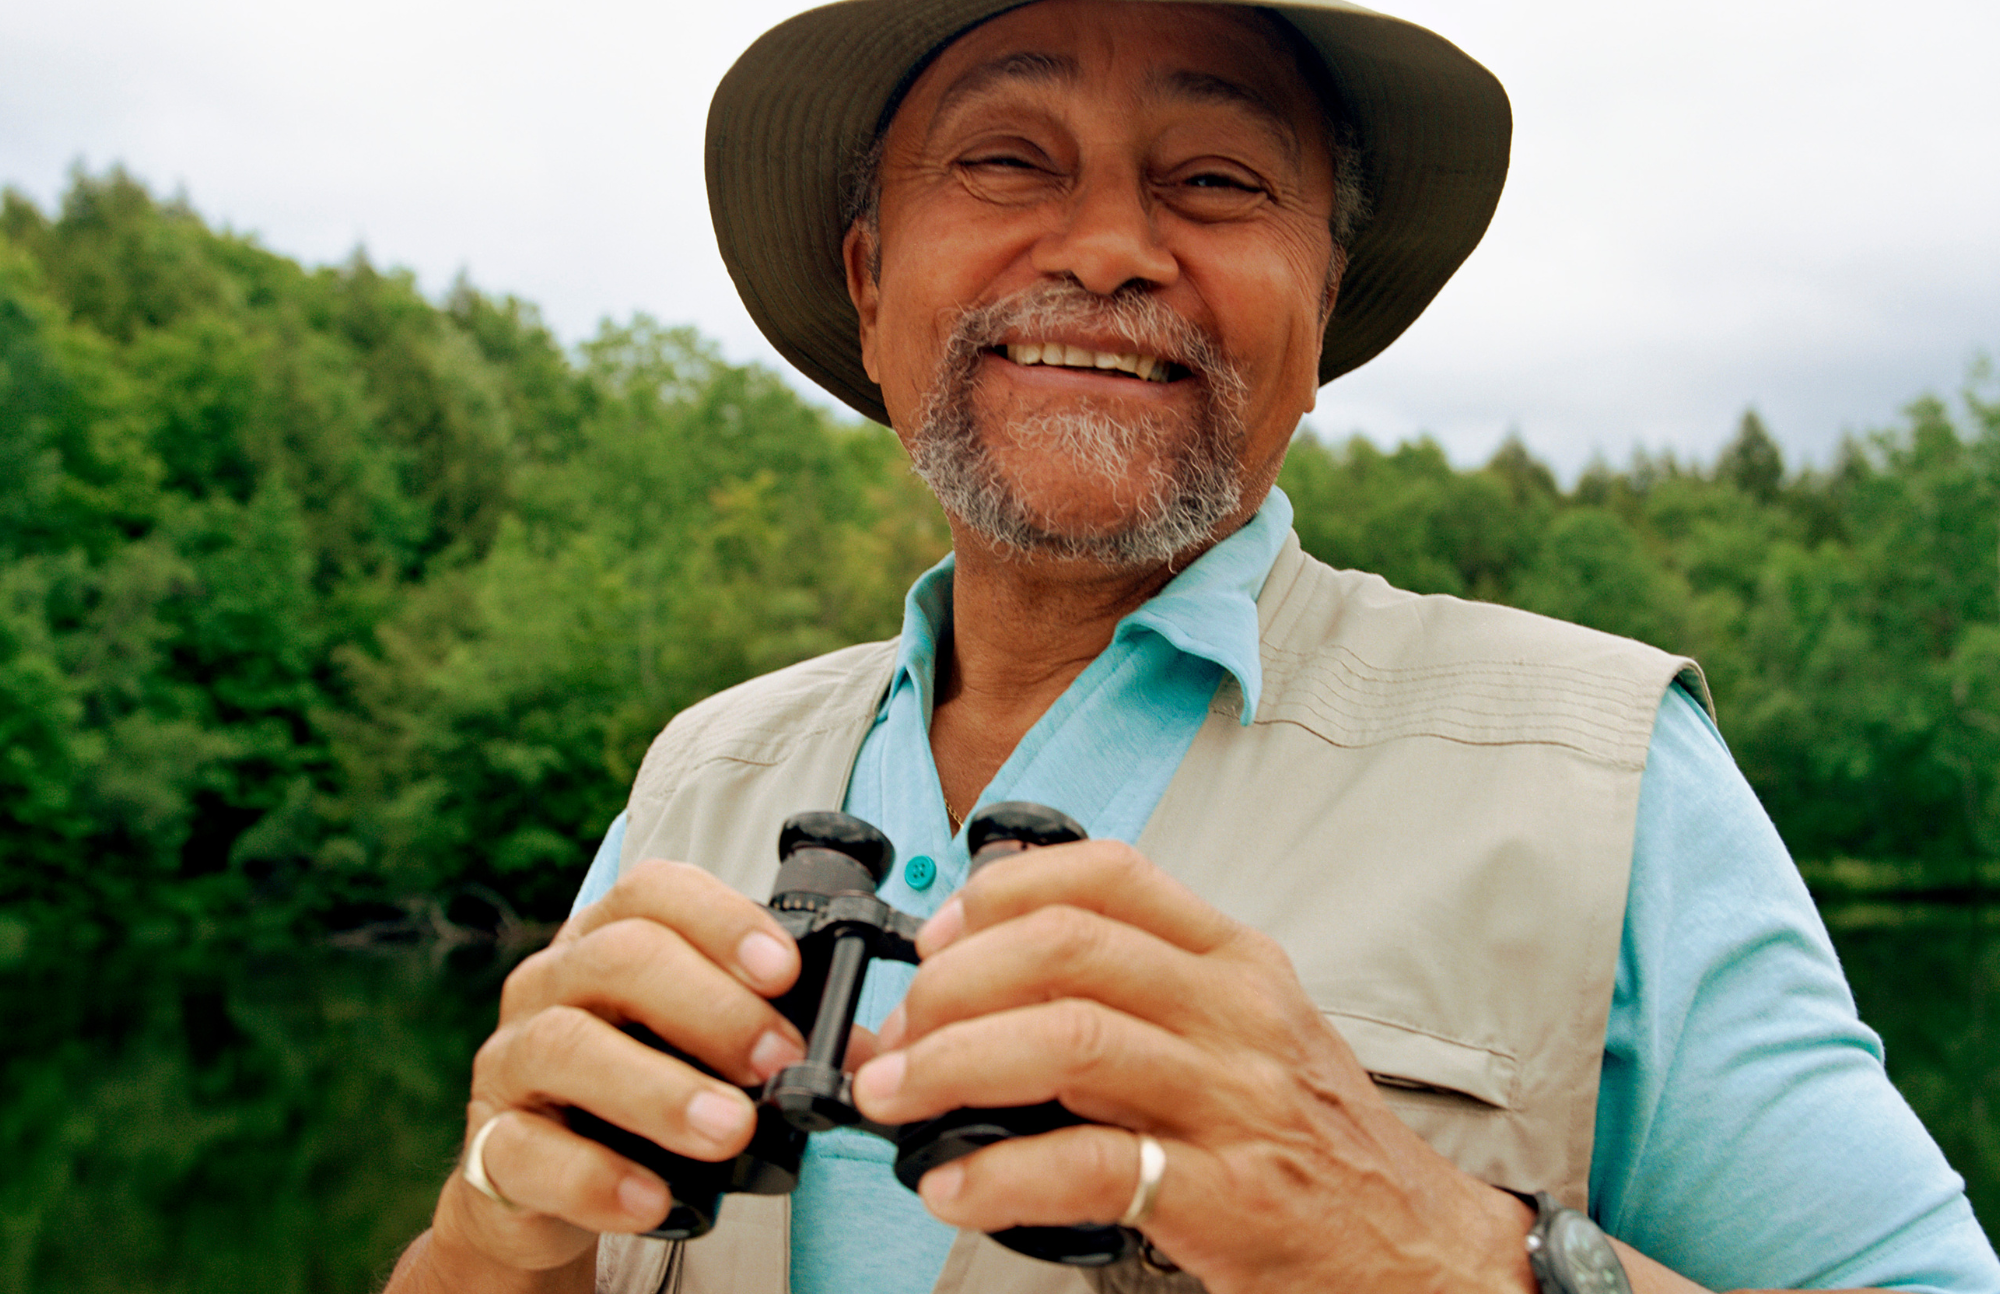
pixel 881 1078
pixel 891 1035
pixel 763 959
pixel 643 1198
pixel 773 1052
pixel 717 1117
pixel 942 929
pixel 942 1185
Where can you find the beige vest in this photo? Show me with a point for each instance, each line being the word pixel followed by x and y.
pixel 1432 812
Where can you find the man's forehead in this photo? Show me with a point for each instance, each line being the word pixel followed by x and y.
pixel 1223 55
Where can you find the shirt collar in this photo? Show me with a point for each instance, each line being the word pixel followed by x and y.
pixel 1209 610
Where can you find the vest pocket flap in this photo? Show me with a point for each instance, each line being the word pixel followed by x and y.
pixel 1398 1056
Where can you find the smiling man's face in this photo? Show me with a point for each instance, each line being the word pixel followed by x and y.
pixel 1095 293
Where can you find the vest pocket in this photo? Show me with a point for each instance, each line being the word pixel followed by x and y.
pixel 1411 1064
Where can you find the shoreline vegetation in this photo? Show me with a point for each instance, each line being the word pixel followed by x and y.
pixel 335 621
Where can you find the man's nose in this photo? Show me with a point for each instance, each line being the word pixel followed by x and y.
pixel 1107 238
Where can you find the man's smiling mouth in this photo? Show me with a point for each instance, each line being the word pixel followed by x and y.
pixel 1147 368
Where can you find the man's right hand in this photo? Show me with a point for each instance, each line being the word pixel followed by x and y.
pixel 671 948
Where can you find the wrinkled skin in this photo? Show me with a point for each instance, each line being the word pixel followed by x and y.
pixel 1085 974
pixel 998 176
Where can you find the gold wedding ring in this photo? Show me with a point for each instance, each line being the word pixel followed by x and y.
pixel 475 1166
pixel 1152 1167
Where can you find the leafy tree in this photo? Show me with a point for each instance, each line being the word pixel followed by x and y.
pixel 712 527
pixel 1752 462
pixel 317 593
pixel 1411 518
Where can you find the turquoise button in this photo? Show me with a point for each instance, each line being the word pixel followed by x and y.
pixel 919 872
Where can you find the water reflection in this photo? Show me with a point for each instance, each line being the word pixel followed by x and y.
pixel 281 1121
pixel 1926 976
pixel 203 1121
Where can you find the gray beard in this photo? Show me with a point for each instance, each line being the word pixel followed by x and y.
pixel 1191 487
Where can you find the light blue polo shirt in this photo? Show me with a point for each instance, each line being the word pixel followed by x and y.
pixel 1747 1134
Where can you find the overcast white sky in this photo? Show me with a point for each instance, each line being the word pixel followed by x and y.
pixel 1714 204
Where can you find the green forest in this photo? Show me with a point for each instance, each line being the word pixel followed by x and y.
pixel 333 617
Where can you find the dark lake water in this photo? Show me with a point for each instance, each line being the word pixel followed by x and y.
pixel 280 1121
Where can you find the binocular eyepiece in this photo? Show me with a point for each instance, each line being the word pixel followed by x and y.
pixel 824 897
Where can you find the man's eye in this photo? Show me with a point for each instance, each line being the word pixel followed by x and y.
pixel 1007 178
pixel 1214 194
pixel 1219 180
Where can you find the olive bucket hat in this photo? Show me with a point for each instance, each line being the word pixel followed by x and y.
pixel 797 112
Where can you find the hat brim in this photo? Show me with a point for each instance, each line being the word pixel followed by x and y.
pixel 803 103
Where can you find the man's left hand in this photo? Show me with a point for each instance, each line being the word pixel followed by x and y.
pixel 1084 974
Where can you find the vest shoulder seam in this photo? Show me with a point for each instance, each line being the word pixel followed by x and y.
pixel 1358 662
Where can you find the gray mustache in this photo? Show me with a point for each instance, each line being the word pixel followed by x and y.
pixel 1133 314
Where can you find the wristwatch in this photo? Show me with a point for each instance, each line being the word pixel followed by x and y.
pixel 1568 1252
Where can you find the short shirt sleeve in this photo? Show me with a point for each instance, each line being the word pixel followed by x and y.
pixel 603 873
pixel 1747 1133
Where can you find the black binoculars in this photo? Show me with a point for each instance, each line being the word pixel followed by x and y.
pixel 824 897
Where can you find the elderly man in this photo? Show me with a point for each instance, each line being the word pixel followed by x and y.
pixel 1406 921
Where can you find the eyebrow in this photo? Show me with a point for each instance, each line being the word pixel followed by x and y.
pixel 1045 69
pixel 1183 84
pixel 1205 87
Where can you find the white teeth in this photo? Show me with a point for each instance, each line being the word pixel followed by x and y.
pixel 1149 368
